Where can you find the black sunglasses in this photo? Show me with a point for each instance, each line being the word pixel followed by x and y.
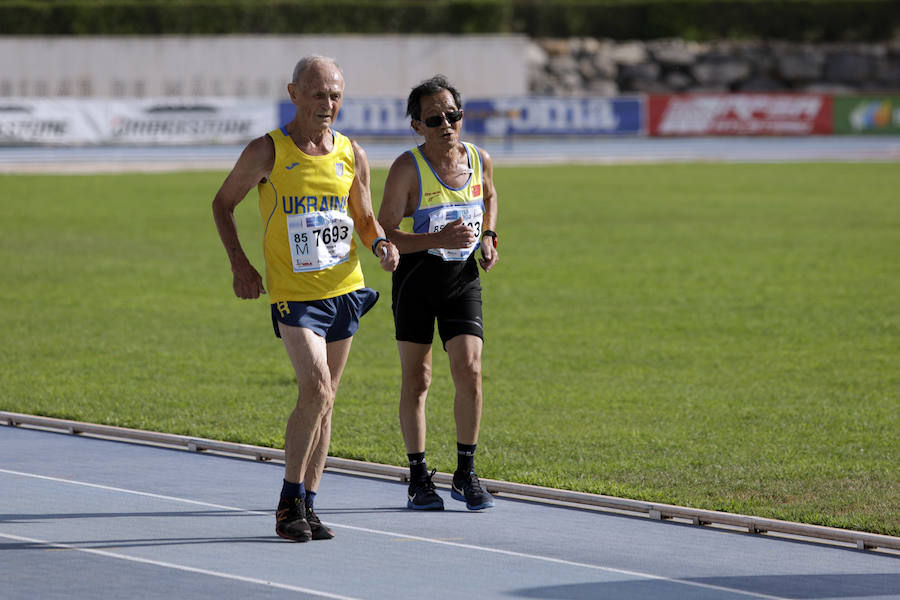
pixel 452 116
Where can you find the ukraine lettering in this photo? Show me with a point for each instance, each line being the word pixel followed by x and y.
pixel 305 204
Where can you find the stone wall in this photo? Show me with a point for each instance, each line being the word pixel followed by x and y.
pixel 587 66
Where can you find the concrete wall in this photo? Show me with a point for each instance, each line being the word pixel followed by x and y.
pixel 254 66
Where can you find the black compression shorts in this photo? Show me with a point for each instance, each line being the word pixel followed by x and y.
pixel 426 287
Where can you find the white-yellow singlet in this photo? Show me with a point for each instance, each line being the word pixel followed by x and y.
pixel 440 204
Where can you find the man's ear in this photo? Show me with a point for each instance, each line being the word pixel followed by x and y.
pixel 417 127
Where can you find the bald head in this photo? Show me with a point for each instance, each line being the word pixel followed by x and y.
pixel 315 62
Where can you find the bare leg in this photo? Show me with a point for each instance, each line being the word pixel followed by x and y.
pixel 337 359
pixel 464 352
pixel 465 367
pixel 415 363
pixel 310 357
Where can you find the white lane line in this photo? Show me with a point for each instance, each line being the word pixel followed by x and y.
pixel 168 565
pixel 392 534
pixel 561 561
pixel 134 492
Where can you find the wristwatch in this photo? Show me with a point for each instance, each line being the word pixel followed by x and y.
pixel 491 234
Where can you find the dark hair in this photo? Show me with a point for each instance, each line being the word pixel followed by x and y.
pixel 427 88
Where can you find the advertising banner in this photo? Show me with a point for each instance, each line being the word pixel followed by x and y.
pixel 25 121
pixel 554 116
pixel 379 117
pixel 134 122
pixel 740 114
pixel 172 121
pixel 867 114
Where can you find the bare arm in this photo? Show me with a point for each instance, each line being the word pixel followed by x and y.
pixel 254 165
pixel 401 195
pixel 360 208
pixel 489 254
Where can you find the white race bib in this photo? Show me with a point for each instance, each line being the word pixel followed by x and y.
pixel 319 239
pixel 472 217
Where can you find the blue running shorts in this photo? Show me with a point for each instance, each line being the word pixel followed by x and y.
pixel 332 318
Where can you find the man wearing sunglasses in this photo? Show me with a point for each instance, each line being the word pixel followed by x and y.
pixel 439 208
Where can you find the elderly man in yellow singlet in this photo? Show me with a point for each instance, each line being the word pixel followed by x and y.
pixel 313 186
pixel 439 207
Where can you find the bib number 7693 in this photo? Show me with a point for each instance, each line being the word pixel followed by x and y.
pixel 319 239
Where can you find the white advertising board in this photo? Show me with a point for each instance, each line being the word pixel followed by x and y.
pixel 134 122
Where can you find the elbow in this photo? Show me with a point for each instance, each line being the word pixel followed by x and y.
pixel 219 210
pixel 216 210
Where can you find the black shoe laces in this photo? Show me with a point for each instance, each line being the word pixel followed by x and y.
pixel 426 485
pixel 473 483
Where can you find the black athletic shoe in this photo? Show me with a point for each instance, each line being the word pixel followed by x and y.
pixel 319 531
pixel 467 488
pixel 422 495
pixel 290 520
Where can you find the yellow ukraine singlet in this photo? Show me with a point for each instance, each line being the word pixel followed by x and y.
pixel 308 233
pixel 440 204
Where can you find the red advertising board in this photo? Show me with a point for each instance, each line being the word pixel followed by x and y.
pixel 740 114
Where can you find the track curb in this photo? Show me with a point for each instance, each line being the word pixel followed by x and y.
pixel 861 540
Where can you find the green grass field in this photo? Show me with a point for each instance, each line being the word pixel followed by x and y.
pixel 717 336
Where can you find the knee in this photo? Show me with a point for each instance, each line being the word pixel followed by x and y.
pixel 417 381
pixel 418 386
pixel 468 368
pixel 316 396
